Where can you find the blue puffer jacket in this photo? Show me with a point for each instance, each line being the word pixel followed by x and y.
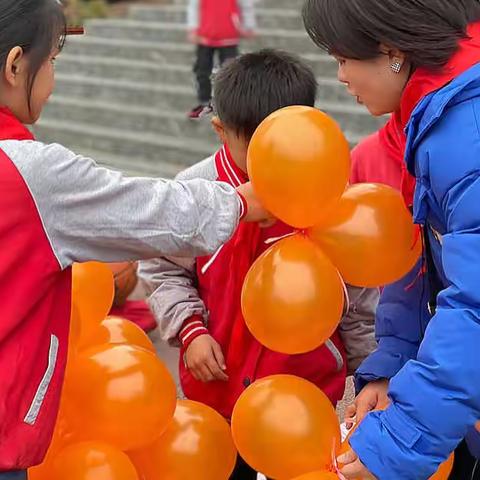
pixel 433 362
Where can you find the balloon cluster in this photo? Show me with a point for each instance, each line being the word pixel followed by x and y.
pixel 299 165
pixel 119 417
pixel 287 428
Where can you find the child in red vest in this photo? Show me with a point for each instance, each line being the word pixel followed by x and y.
pixel 197 302
pixel 216 26
pixel 58 208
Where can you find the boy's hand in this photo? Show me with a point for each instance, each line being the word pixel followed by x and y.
pixel 192 36
pixel 204 359
pixel 372 397
pixel 255 210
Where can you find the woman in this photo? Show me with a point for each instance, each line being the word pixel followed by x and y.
pixel 419 59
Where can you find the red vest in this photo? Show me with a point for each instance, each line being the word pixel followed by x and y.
pixel 219 23
pixel 34 319
pixel 247 360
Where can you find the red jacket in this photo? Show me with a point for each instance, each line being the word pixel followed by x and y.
pixel 220 280
pixel 35 299
pixel 372 162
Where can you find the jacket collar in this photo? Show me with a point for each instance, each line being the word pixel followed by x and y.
pixel 11 128
pixel 227 169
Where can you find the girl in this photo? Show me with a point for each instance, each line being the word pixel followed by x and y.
pixel 420 60
pixel 58 208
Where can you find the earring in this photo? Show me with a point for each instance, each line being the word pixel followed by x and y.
pixel 396 67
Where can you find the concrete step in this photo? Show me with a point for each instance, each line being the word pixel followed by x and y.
pixel 144 148
pixel 269 18
pixel 294 41
pixel 130 118
pixel 159 53
pixel 146 71
pixel 175 124
pixel 123 54
pixel 168 96
pixel 133 70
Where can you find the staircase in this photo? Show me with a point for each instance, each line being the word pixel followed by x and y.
pixel 123 90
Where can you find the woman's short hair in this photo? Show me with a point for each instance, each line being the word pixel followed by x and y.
pixel 426 31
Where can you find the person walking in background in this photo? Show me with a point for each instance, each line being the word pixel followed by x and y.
pixel 216 26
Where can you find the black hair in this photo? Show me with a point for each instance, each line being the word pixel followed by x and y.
pixel 254 85
pixel 37 26
pixel 426 31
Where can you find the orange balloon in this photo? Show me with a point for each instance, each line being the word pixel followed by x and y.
pixel 284 426
pixel 116 330
pixel 197 445
pixel 322 475
pixel 299 164
pixel 445 469
pixel 293 297
pixel 370 237
pixel 125 395
pixel 92 293
pixel 92 461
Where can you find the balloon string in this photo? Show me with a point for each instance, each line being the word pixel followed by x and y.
pixel 334 461
pixel 268 241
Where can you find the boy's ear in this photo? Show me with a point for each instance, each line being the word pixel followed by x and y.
pixel 219 129
pixel 13 65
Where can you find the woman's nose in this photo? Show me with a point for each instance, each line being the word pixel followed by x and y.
pixel 341 75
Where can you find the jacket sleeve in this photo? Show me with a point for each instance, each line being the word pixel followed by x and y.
pixel 92 213
pixel 400 314
pixel 193 14
pixel 171 282
pixel 171 286
pixel 435 398
pixel 247 12
pixel 357 328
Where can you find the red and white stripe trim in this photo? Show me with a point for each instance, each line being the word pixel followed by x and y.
pixel 192 328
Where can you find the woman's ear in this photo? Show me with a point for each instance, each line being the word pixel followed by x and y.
pixel 14 66
pixel 219 129
pixel 397 59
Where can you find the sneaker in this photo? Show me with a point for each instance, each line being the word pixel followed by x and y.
pixel 199 112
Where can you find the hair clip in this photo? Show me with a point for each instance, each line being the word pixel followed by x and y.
pixel 75 30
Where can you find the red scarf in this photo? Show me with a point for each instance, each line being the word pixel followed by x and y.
pixel 422 83
pixel 11 128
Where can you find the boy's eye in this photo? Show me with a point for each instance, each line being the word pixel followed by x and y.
pixel 53 60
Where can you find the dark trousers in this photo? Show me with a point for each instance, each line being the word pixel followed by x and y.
pixel 465 466
pixel 204 66
pixel 20 475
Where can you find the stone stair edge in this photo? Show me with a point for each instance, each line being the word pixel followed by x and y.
pixel 194 146
pixel 168 113
pixel 175 7
pixel 127 23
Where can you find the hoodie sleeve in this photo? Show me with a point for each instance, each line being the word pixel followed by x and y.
pixel 92 213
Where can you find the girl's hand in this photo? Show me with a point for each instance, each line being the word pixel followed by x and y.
pixel 255 210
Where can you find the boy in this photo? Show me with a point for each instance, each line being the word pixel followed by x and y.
pixel 216 26
pixel 221 358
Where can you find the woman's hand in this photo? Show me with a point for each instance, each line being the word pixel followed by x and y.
pixel 353 468
pixel 373 397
